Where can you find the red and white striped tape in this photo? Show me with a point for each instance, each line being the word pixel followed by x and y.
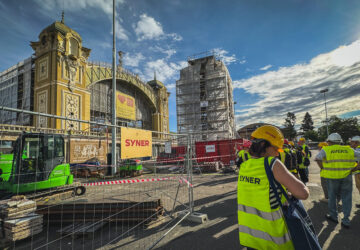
pixel 186 181
pixel 181 179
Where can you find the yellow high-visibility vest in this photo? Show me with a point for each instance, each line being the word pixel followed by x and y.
pixel 338 163
pixel 302 166
pixel 244 155
pixel 260 226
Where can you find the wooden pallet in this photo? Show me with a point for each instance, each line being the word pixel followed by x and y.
pixel 79 229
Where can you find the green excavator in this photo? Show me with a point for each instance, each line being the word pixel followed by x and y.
pixel 38 166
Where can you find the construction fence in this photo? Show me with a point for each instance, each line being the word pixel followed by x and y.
pixel 60 191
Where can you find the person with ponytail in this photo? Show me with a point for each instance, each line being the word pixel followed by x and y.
pixel 260 219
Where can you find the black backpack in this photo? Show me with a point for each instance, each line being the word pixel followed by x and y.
pixel 299 156
pixel 288 161
pixel 294 159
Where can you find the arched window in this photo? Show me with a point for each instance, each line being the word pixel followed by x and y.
pixel 74 47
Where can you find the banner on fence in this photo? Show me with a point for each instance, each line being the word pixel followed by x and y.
pixel 210 148
pixel 125 106
pixel 135 143
pixel 168 147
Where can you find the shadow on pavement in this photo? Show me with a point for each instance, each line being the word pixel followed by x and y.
pixel 203 201
pixel 222 235
pixel 214 182
pixel 317 214
pixel 347 238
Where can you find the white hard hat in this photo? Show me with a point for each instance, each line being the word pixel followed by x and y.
pixel 355 138
pixel 334 137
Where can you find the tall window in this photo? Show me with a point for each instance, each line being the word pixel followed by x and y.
pixel 74 47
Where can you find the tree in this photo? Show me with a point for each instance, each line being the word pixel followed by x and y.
pixel 289 130
pixel 307 123
pixel 347 128
pixel 311 135
pixel 322 133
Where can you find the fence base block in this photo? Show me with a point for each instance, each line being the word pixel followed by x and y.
pixel 195 217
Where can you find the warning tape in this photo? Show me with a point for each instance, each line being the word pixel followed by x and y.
pixel 186 181
pixel 101 183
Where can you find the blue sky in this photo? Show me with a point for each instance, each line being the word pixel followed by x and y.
pixel 280 53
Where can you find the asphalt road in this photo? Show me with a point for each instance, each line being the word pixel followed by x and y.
pixel 215 195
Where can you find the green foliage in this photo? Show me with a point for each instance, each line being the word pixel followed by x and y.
pixel 311 135
pixel 307 123
pixel 289 130
pixel 322 133
pixel 347 128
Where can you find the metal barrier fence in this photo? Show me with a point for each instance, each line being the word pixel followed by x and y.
pixel 57 191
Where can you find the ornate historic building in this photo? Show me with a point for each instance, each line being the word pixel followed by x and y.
pixel 66 84
pixel 60 85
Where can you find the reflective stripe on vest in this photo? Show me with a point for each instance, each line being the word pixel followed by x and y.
pixel 330 161
pixel 260 226
pixel 338 163
pixel 264 236
pixel 265 215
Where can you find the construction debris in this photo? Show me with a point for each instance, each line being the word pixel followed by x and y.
pixel 86 229
pixel 210 167
pixel 121 212
pixel 19 218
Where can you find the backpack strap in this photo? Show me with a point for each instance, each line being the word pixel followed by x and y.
pixel 273 183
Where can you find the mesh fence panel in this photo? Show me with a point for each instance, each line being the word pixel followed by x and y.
pixel 57 190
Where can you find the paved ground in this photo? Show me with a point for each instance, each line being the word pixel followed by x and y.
pixel 215 195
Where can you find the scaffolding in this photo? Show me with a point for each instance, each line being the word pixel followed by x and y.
pixel 204 100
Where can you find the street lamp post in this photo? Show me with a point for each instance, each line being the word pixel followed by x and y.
pixel 323 91
pixel 113 133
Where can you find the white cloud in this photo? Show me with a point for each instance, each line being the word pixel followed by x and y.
pixel 164 70
pixel 148 28
pixel 266 67
pixel 296 88
pixel 105 45
pixel 120 32
pixel 175 37
pixel 133 60
pixel 169 52
pixel 222 55
pixel 81 5
pixel 104 5
pixel 171 86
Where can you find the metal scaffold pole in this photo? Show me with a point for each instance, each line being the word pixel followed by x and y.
pixel 113 148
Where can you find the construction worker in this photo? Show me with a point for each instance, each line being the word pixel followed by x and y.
pixel 355 145
pixel 303 166
pixel 260 218
pixel 295 165
pixel 243 154
pixel 321 145
pixel 337 164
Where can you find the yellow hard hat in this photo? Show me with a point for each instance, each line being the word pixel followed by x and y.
pixel 270 133
pixel 302 139
pixel 322 144
pixel 291 143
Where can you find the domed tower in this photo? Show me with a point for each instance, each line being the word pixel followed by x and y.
pixel 59 85
pixel 161 117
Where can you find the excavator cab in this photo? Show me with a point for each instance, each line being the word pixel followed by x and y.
pixel 38 163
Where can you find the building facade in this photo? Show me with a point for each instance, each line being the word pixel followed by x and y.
pixel 64 83
pixel 16 91
pixel 204 100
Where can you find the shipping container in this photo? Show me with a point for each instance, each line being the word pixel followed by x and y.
pixel 222 150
